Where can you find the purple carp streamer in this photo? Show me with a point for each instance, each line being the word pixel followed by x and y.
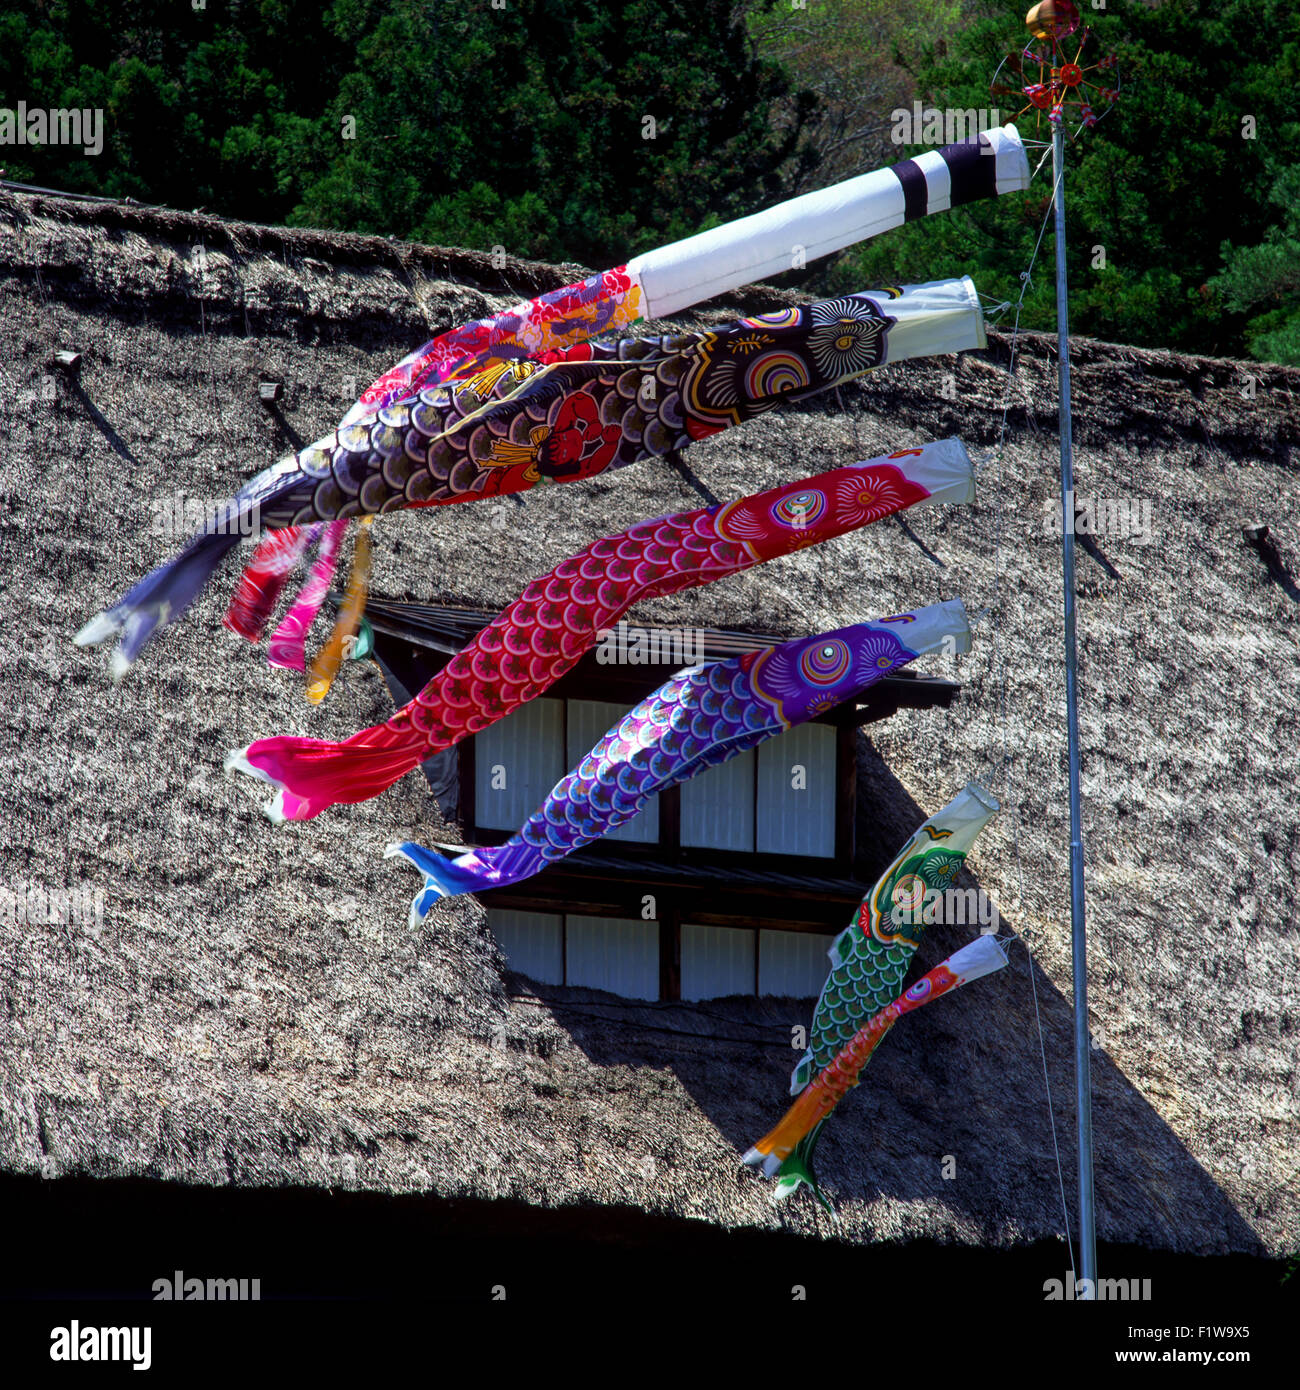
pixel 696 720
pixel 562 417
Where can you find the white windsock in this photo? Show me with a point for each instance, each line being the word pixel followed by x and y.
pixel 789 235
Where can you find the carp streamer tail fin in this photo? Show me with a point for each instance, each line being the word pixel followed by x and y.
pixel 443 877
pixel 158 599
pixel 790 1139
pixel 311 774
pixel 797 1171
pixel 792 1167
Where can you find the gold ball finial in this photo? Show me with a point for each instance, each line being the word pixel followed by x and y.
pixel 1052 19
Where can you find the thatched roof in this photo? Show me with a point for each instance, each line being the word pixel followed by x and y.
pixel 254 1008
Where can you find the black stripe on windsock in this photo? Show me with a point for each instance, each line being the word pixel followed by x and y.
pixel 916 192
pixel 973 167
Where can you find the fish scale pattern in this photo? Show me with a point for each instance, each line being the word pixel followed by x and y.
pixel 573 413
pixel 559 617
pixel 869 962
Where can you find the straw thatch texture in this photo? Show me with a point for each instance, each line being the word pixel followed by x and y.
pixel 252 1007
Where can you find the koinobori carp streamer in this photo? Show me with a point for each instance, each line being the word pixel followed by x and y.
pixel 565 416
pixel 674 277
pixel 531 644
pixel 981 957
pixel 696 720
pixel 871 956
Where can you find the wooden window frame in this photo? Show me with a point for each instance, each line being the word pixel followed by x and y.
pixel 669 923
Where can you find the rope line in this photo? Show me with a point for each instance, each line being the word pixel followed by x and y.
pixel 1009 790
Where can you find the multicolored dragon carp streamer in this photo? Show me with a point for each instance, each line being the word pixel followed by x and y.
pixel 564 416
pixel 698 719
pixel 652 285
pixel 981 957
pixel 870 957
pixel 562 614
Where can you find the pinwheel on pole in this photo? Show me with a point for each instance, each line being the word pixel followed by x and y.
pixel 1054 77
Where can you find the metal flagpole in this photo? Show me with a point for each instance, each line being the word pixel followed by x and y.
pixel 1078 932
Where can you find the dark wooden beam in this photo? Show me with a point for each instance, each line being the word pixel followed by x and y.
pixel 677 905
pixel 810 926
pixel 417 664
pixel 670 950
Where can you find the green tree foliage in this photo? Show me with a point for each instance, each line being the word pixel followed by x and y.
pixel 213 107
pixel 1268 276
pixel 1157 188
pixel 852 54
pixel 570 129
pixel 525 127
pixel 561 128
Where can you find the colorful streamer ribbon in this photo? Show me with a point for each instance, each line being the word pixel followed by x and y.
pixel 332 654
pixel 286 648
pixel 264 578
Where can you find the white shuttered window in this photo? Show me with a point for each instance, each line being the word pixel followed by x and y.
pixel 796 793
pixel 621 955
pixel 792 963
pixel 717 961
pixel 516 763
pixel 718 806
pixel 533 942
pixel 614 953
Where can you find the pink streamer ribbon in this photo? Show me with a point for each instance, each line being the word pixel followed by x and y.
pixel 286 647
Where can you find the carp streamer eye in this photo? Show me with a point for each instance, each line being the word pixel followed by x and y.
pixel 800 510
pixel 825 664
